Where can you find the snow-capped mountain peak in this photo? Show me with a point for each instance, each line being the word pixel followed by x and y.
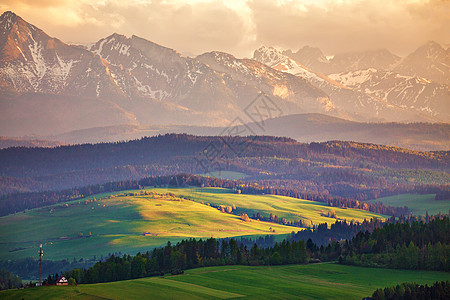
pixel 430 61
pixel 269 56
pixel 136 80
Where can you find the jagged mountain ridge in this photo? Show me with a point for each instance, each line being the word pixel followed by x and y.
pixel 130 80
pixel 430 61
pixel 298 94
pixel 409 92
pixel 146 69
pixel 32 61
pixel 371 90
pixel 313 58
pixel 355 102
pixel 152 84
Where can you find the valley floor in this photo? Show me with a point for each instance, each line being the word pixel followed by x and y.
pixel 315 281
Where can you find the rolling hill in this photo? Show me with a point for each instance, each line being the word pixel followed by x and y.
pixel 133 221
pixel 418 204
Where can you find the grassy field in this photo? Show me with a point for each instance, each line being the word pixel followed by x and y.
pixel 417 203
pixel 110 223
pixel 318 281
pixel 284 207
pixel 96 227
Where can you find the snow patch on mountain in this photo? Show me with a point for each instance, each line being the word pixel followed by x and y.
pixel 409 92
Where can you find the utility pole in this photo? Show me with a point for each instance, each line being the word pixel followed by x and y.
pixel 41 253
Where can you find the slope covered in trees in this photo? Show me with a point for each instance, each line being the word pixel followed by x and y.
pixel 415 245
pixel 440 290
pixel 360 171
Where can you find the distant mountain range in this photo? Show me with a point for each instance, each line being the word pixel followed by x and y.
pixel 302 127
pixel 367 86
pixel 431 61
pixel 49 88
pixel 26 142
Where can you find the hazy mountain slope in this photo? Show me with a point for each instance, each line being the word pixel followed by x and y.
pixel 291 93
pixel 317 127
pixel 303 127
pixel 430 61
pixel 31 61
pixel 378 59
pixel 6 142
pixel 311 57
pixel 351 103
pixel 409 92
pixel 42 114
pixel 314 59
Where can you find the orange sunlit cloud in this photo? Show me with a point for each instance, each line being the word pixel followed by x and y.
pixel 241 26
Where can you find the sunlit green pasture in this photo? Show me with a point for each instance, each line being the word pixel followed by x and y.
pixel 129 224
pixel 418 204
pixel 140 220
pixel 284 207
pixel 316 281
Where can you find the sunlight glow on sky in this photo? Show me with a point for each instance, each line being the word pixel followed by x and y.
pixel 239 27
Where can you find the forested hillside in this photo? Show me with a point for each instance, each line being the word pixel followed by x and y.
pixel 343 169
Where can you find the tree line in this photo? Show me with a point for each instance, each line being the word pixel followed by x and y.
pixel 410 245
pixel 188 254
pixel 438 291
pixel 353 170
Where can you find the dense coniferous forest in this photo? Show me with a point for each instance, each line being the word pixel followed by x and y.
pixel 410 245
pixel 346 169
pixel 322 234
pixel 406 291
pixel 187 254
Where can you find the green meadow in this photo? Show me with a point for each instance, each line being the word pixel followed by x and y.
pixel 417 203
pixel 140 220
pixel 315 281
pixel 284 207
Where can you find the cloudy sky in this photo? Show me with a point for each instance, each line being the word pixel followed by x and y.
pixel 239 27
